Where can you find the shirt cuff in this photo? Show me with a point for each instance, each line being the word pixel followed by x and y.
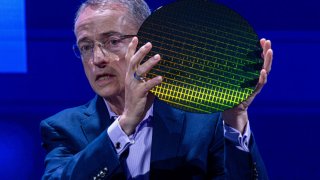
pixel 118 137
pixel 240 141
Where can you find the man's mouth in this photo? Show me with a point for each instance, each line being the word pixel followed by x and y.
pixel 104 79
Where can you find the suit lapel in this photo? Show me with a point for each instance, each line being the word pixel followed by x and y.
pixel 167 130
pixel 97 119
pixel 167 127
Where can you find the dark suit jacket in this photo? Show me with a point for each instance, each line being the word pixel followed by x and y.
pixel 184 146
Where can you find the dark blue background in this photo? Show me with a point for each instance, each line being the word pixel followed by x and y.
pixel 285 117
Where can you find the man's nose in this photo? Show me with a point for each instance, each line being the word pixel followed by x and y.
pixel 101 57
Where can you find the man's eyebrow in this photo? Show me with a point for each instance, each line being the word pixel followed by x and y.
pixel 110 33
pixel 84 39
pixel 103 35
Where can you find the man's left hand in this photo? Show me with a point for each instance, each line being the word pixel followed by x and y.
pixel 237 117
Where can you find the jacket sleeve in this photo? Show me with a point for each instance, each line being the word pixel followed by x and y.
pixel 98 159
pixel 244 165
pixel 228 162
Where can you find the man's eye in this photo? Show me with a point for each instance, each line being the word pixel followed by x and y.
pixel 114 41
pixel 85 48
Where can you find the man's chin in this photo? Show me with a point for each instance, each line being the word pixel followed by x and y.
pixel 109 94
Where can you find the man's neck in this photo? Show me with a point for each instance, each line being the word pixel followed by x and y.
pixel 117 104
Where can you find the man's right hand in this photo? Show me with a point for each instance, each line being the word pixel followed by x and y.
pixel 137 97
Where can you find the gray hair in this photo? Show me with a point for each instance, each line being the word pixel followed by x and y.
pixel 138 9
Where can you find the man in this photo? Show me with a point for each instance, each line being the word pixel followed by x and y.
pixel 127 133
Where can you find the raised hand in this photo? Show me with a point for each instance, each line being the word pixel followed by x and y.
pixel 237 117
pixel 137 87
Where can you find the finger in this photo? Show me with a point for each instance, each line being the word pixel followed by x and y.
pixel 131 50
pixel 266 46
pixel 268 61
pixel 262 81
pixel 132 47
pixel 262 41
pixel 140 54
pixel 148 65
pixel 151 83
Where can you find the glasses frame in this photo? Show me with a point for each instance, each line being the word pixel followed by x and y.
pixel 78 53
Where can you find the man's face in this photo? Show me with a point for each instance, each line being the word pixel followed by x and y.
pixel 105 69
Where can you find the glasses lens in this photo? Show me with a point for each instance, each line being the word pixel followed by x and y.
pixel 76 51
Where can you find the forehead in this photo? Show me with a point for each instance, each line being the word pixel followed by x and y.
pixel 94 22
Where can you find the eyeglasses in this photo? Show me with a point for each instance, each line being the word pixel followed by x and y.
pixel 112 44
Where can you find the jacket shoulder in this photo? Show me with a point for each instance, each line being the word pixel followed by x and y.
pixel 69 115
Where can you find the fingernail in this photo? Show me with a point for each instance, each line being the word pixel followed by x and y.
pixel 148 45
pixel 134 40
pixel 156 57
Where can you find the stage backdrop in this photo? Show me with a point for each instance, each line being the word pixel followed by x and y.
pixel 40 76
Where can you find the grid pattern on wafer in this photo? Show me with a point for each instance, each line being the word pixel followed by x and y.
pixel 209 55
